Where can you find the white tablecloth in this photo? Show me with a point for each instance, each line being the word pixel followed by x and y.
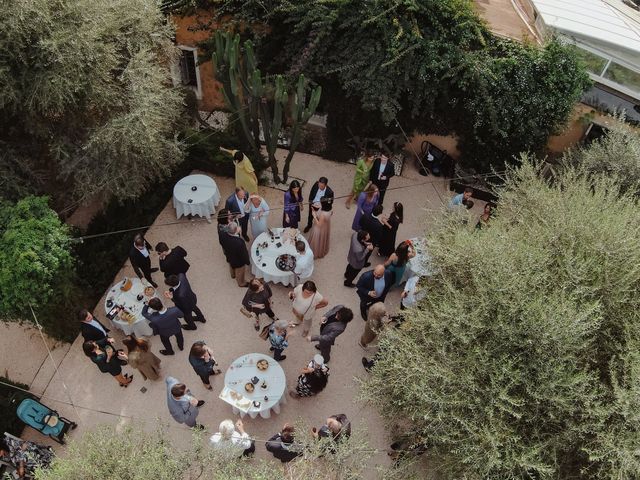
pixel 419 265
pixel 264 265
pixel 204 200
pixel 129 300
pixel 240 372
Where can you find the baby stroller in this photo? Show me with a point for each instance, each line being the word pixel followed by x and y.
pixel 42 418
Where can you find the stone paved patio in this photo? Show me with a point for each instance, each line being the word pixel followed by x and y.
pixel 231 334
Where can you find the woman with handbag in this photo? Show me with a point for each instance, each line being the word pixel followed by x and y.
pixel 313 379
pixel 108 360
pixel 141 358
pixel 203 363
pixel 306 300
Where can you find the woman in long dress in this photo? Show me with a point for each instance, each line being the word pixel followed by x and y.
pixel 258 211
pixel 245 173
pixel 366 201
pixel 293 205
pixel 397 261
pixel 390 230
pixel 141 358
pixel 361 177
pixel 320 231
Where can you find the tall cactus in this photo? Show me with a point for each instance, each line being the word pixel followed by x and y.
pixel 272 123
pixel 233 76
pixel 254 100
pixel 300 115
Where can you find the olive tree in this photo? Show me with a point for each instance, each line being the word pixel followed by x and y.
pixel 134 452
pixel 86 96
pixel 616 153
pixel 523 360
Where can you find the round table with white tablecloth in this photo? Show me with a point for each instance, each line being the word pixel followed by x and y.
pixel 271 384
pixel 201 201
pixel 129 300
pixel 419 265
pixel 263 260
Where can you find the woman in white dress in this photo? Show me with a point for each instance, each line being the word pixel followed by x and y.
pixel 258 211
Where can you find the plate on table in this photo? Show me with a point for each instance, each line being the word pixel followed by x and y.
pixel 286 262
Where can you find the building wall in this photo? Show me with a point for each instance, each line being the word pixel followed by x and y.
pixel 188 35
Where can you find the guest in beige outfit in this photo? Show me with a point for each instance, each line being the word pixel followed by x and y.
pixel 320 231
pixel 377 319
pixel 306 300
pixel 141 358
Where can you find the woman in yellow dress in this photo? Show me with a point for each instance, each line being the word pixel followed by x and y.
pixel 361 178
pixel 245 173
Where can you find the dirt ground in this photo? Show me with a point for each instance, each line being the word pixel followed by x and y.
pixel 100 400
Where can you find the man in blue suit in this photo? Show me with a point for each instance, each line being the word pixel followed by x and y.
pixel 166 323
pixel 184 298
pixel 235 204
pixel 372 287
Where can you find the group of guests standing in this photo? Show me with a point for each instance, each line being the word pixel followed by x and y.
pixel 319 217
pixel 244 208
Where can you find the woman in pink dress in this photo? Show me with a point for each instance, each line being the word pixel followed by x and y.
pixel 320 231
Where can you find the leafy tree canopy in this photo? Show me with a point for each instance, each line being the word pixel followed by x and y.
pixel 36 265
pixel 431 64
pixel 523 361
pixel 153 456
pixel 86 95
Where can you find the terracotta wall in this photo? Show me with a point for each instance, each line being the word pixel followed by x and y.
pixel 188 35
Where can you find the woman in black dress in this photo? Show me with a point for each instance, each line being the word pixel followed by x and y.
pixel 388 242
pixel 105 356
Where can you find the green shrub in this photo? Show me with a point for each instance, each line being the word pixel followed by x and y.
pixel 133 453
pixel 523 361
pixel 617 153
pixel 36 264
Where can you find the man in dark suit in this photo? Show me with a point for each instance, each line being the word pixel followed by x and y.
pixel 140 258
pixel 320 192
pixel 91 328
pixel 334 322
pixel 166 323
pixel 381 172
pixel 172 260
pixel 358 257
pixel 235 204
pixel 184 298
pixel 373 287
pixel 372 223
pixel 237 254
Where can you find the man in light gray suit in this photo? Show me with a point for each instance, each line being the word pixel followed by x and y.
pixel 183 406
pixel 334 322
pixel 359 253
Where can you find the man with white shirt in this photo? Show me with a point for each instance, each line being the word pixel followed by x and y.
pixel 381 172
pixel 320 192
pixel 304 262
pixel 91 328
pixel 141 259
pixel 235 204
